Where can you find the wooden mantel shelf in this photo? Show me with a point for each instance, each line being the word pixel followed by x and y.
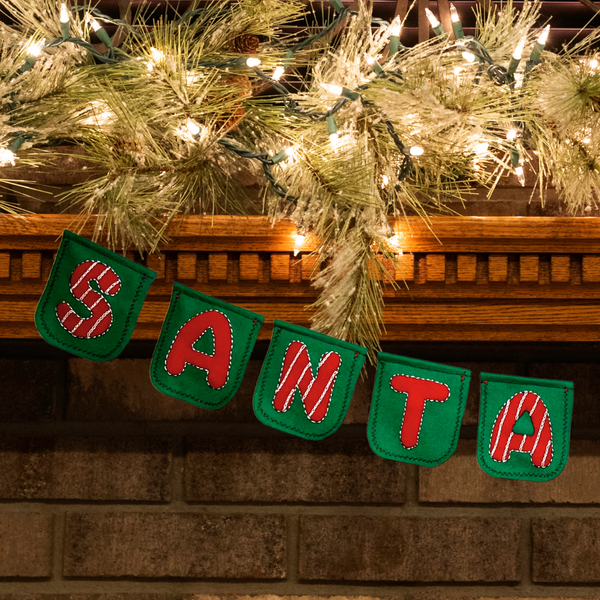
pixel 477 278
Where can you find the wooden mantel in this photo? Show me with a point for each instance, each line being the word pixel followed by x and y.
pixel 477 278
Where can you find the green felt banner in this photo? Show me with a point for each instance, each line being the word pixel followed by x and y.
pixel 306 382
pixel 92 299
pixel 203 349
pixel 524 427
pixel 416 410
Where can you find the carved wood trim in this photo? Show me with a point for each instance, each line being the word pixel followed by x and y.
pixel 482 278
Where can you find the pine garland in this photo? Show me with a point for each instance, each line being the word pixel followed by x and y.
pixel 344 126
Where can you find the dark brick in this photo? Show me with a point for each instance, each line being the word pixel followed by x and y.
pixel 274 597
pixel 29 389
pixel 586 408
pixel 90 596
pixel 74 468
pixel 25 545
pixel 566 550
pixel 236 469
pixel 358 413
pixel 460 479
pixel 120 390
pixel 471 416
pixel 411 549
pixel 182 545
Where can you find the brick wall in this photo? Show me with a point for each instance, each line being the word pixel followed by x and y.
pixel 111 491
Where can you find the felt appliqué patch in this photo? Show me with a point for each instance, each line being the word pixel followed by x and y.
pixel 306 382
pixel 92 299
pixel 524 427
pixel 416 410
pixel 203 349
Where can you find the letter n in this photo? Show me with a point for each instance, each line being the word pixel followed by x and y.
pixel 296 374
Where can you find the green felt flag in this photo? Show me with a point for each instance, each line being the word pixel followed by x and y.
pixel 416 410
pixel 524 427
pixel 92 299
pixel 307 380
pixel 203 349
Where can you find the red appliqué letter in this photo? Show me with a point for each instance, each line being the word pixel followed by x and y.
pixel 101 320
pixel 418 391
pixel 296 373
pixel 504 441
pixel 182 350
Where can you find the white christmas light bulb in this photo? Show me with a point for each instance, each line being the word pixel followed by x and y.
pixel 454 14
pixel 336 90
pixel 278 72
pixel 298 243
pixel 518 53
pixel 511 135
pixel 416 151
pixel 157 55
pixel 7 157
pixel 432 19
pixel 520 175
pixel 481 148
pixel 253 62
pixel 544 35
pixel 385 179
pixel 334 138
pixel 468 56
pixel 35 48
pixel 192 127
pixel 594 64
pixel 292 151
pixel 64 13
pixel 396 27
pixel 93 23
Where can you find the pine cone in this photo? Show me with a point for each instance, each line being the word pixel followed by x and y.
pixel 245 44
pixel 245 90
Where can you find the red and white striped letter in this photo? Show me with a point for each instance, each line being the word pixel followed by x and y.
pixel 296 373
pixel 218 363
pixel 418 391
pixel 504 441
pixel 101 320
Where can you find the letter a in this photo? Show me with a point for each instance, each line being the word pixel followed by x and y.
pixel 418 391
pixel 297 374
pixel 218 363
pixel 505 441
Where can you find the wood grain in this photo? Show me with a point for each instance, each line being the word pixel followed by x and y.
pixel 217 266
pixel 187 263
pixel 466 267
pixel 31 265
pixel 156 262
pixel 560 268
pixel 436 267
pixel 4 265
pixel 591 268
pixel 494 279
pixel 249 266
pixel 529 268
pixel 280 267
